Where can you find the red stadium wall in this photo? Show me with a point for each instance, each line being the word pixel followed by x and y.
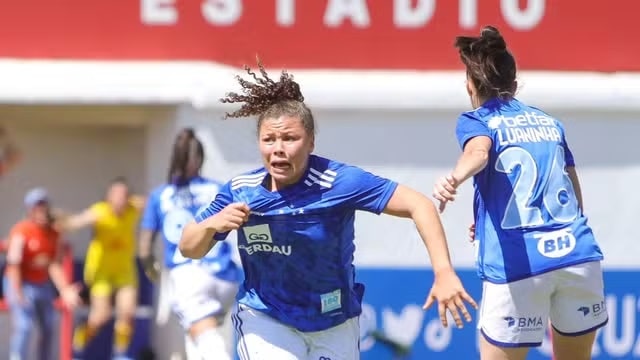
pixel 391 34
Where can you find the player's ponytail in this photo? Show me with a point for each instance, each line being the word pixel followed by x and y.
pixel 185 147
pixel 490 65
pixel 266 98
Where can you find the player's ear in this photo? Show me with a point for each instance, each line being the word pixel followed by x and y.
pixel 312 144
pixel 469 87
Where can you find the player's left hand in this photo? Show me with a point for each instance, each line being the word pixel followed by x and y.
pixel 445 190
pixel 448 291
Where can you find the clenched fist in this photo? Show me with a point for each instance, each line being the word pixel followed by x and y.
pixel 230 218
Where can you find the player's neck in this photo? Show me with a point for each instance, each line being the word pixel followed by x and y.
pixel 274 186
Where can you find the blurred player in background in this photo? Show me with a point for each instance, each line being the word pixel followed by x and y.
pixel 9 153
pixel 34 258
pixel 201 292
pixel 110 265
pixel 295 221
pixel 537 255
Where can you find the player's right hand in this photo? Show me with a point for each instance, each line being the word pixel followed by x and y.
pixel 444 191
pixel 230 218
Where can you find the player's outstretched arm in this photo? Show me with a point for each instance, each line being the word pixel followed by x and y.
pixel 408 203
pixel 447 289
pixel 474 158
pixel 74 222
pixel 197 237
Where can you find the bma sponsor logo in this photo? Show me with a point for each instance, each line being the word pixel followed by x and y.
pixel 510 321
pixel 259 240
pixel 556 244
pixel 594 310
pixel 584 310
pixel 518 324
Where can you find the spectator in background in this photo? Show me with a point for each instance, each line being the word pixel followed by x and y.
pixel 110 264
pixel 9 153
pixel 33 259
pixel 202 292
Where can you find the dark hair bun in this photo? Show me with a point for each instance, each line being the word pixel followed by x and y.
pixel 490 38
pixel 489 64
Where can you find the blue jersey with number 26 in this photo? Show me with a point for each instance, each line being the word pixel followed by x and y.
pixel 526 212
pixel 170 207
pixel 297 247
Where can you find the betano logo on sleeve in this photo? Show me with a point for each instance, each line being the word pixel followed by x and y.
pixel 259 239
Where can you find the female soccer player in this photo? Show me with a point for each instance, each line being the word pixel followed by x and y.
pixel 110 264
pixel 202 292
pixel 295 221
pixel 537 256
pixel 34 257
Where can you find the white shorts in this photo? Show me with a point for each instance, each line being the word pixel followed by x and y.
pixel 261 337
pixel 517 314
pixel 196 294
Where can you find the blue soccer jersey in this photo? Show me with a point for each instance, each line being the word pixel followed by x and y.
pixel 170 207
pixel 527 216
pixel 297 247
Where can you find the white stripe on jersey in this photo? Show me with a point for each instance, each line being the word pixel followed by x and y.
pixel 328 175
pixel 247 180
pixel 324 179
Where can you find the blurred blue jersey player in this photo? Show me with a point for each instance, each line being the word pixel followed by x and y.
pixel 537 255
pixel 295 222
pixel 201 292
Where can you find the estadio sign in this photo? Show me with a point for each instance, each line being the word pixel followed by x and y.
pixel 366 34
pixel 409 14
